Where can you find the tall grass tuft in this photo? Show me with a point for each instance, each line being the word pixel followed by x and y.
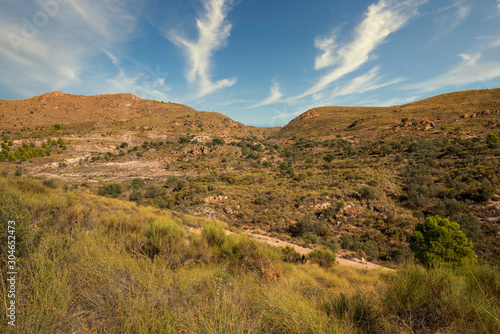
pixel 444 298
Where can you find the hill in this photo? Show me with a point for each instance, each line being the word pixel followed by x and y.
pixel 123 206
pixel 470 109
pixel 115 113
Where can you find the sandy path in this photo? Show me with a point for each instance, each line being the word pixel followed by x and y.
pixel 360 264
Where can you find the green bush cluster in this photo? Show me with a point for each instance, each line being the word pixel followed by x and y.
pixel 112 189
pixel 439 240
pixel 26 151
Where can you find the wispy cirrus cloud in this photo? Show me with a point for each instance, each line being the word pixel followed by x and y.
pixel 381 20
pixel 213 33
pixel 149 84
pixel 47 45
pixel 274 96
pixel 449 18
pixel 469 70
pixel 364 83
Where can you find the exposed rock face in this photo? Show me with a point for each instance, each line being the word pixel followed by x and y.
pixel 215 199
pixel 322 206
pixel 309 114
pixel 422 125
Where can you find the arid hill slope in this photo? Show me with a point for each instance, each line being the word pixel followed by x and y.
pixel 111 112
pixel 470 108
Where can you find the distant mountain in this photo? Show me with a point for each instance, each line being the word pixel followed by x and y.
pixel 112 112
pixel 470 108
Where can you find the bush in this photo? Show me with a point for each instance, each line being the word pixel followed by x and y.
pixel 165 238
pixel 243 253
pixel 367 192
pixel 439 240
pixel 470 225
pixel 153 191
pixel 218 141
pixel 214 234
pixel 492 140
pixel 112 189
pixel 51 183
pixel 175 183
pixel 137 183
pixel 292 256
pixel 136 195
pixel 324 257
pixel 329 157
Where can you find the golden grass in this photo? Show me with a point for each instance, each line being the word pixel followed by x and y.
pixel 79 276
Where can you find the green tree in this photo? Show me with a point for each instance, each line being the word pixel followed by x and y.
pixel 439 240
pixel 492 140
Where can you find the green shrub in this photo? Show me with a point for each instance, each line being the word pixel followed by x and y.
pixel 311 238
pixel 492 140
pixel 218 141
pixel 214 234
pixel 291 255
pixel 329 157
pixel 137 183
pixel 112 189
pixel 175 183
pixel 136 195
pixel 51 183
pixel 153 191
pixel 324 257
pixel 165 238
pixel 367 192
pixel 439 240
pixel 243 253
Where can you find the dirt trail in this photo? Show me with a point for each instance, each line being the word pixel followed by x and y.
pixel 360 264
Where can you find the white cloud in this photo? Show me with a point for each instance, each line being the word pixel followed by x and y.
pixel 328 57
pixel 449 18
pixel 397 101
pixel 48 44
pixel 274 96
pixel 381 20
pixel 140 85
pixel 469 71
pixel 364 83
pixel 214 30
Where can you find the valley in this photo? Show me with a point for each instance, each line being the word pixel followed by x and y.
pixel 324 205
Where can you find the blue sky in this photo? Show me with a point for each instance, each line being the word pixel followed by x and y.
pixel 261 62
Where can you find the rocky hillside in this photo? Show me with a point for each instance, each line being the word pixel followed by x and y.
pixel 470 109
pixel 113 112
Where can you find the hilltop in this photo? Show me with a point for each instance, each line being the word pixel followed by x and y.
pixel 470 109
pixel 117 113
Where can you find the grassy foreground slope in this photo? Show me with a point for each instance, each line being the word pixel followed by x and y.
pixel 90 264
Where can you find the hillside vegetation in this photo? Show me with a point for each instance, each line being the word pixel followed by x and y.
pixel 93 265
pixel 125 217
pixel 468 109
